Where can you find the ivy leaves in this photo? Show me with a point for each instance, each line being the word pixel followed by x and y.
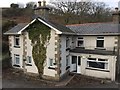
pixel 39 34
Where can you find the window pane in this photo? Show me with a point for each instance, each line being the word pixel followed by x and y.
pixel 100 43
pixel 79 60
pixel 74 59
pixel 29 59
pixel 17 41
pixel 102 59
pixel 96 65
pixel 17 60
pixel 51 62
pixel 80 43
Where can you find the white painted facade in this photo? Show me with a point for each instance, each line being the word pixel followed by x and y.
pixel 89 42
pixel 32 68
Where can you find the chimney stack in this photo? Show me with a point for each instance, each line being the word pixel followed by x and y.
pixel 116 16
pixel 42 10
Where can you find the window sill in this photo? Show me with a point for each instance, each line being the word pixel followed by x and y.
pixel 17 46
pixel 80 47
pixel 67 67
pixel 100 48
pixel 51 67
pixel 97 69
pixel 68 48
pixel 16 65
pixel 27 64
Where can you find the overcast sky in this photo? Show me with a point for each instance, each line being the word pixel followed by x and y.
pixel 6 3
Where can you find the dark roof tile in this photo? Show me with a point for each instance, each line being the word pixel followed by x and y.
pixel 95 28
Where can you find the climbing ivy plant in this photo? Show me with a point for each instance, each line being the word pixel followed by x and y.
pixel 39 34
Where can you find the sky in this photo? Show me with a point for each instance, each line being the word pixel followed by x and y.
pixel 6 3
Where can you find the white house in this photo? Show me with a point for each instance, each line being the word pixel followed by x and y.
pixel 87 49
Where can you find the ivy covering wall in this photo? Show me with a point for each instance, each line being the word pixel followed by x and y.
pixel 39 34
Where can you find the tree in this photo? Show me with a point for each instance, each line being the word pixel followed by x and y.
pixel 82 12
pixel 30 5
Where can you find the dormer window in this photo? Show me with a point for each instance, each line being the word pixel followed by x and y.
pixel 17 41
pixel 80 42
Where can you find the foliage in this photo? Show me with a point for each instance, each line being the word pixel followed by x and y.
pixel 81 12
pixel 6 61
pixel 30 5
pixel 6 25
pixel 39 34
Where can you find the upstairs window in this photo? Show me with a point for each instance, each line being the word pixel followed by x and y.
pixel 80 42
pixel 100 42
pixel 17 41
pixel 67 42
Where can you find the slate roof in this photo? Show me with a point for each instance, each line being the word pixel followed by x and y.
pixel 95 28
pixel 59 27
pixel 16 29
pixel 96 51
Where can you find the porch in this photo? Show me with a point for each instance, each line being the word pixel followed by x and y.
pixel 95 63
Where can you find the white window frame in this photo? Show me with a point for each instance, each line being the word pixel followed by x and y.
pixel 16 56
pixel 51 65
pixel 28 58
pixel 100 38
pixel 97 60
pixel 80 39
pixel 16 37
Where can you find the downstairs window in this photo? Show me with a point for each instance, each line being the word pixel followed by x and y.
pixel 97 63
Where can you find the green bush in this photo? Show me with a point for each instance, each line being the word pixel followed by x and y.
pixel 6 63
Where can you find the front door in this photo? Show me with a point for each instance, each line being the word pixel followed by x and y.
pixel 79 64
pixel 76 64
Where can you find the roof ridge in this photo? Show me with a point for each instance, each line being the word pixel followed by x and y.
pixel 87 24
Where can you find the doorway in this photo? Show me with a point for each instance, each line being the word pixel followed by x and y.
pixel 76 64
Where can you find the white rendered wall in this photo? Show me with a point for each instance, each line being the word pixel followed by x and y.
pixel 50 54
pixel 18 51
pixel 98 73
pixel 33 68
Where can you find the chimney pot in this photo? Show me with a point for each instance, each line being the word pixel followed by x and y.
pixel 44 3
pixel 116 16
pixel 116 8
pixel 39 2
